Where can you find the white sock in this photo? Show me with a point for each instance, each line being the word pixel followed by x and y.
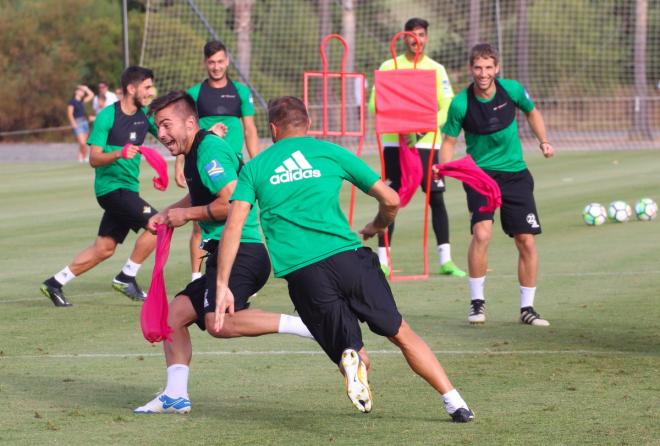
pixel 477 287
pixel 444 251
pixel 196 276
pixel 453 401
pixel 527 296
pixel 382 255
pixel 131 268
pixel 65 276
pixel 177 381
pixel 293 325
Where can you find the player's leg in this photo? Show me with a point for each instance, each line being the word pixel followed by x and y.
pixel 178 353
pixel 81 138
pixel 481 227
pixel 249 274
pixel 316 292
pixel 520 220
pixel 371 299
pixel 439 217
pixel 111 232
pixel 134 213
pixel 393 178
pixel 196 252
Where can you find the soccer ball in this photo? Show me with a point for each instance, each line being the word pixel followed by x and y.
pixel 594 214
pixel 619 211
pixel 646 209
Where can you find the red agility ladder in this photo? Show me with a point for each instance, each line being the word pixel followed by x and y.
pixel 406 103
pixel 343 76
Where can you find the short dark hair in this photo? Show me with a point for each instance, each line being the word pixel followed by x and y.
pixel 184 103
pixel 416 22
pixel 134 75
pixel 103 83
pixel 212 47
pixel 484 50
pixel 287 112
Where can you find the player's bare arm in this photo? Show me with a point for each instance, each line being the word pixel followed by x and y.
pixel 447 148
pixel 214 211
pixel 251 136
pixel 388 206
pixel 231 238
pixel 537 125
pixel 98 157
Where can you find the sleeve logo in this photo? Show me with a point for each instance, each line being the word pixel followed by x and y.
pixel 214 169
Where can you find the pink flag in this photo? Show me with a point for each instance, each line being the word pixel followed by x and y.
pixel 411 170
pixel 156 161
pixel 153 317
pixel 466 170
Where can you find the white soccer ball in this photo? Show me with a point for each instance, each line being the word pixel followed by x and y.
pixel 619 211
pixel 594 214
pixel 646 209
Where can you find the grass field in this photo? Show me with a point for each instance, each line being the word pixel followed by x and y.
pixel 72 376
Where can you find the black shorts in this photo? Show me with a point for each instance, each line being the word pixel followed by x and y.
pixel 518 212
pixel 248 275
pixel 393 168
pixel 124 210
pixel 333 294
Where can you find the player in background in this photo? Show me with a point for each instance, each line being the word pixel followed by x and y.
pixel 211 168
pixel 423 144
pixel 486 111
pixel 225 108
pixel 116 185
pixel 334 282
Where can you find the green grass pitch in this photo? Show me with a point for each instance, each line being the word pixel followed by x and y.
pixel 72 376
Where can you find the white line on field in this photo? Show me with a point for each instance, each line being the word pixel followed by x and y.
pixel 318 352
pixel 493 275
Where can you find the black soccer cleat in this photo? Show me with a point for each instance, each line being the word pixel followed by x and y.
pixel 128 286
pixel 530 317
pixel 55 294
pixel 477 313
pixel 462 415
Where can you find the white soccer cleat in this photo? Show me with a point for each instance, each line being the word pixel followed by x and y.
pixel 530 317
pixel 477 313
pixel 164 404
pixel 355 379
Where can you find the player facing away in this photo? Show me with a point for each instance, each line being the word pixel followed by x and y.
pixel 116 185
pixel 211 168
pixel 334 282
pixel 423 143
pixel 226 108
pixel 486 111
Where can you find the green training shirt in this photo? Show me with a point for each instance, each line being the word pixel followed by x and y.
pixel 113 129
pixel 227 105
pixel 502 150
pixel 218 165
pixel 296 183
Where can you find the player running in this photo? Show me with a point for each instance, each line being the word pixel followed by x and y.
pixel 333 281
pixel 116 186
pixel 486 110
pixel 211 168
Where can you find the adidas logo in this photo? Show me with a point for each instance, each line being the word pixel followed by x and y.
pixel 294 168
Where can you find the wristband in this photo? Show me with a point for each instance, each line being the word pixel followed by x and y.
pixel 209 213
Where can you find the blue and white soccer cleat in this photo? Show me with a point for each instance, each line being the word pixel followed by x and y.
pixel 355 379
pixel 164 404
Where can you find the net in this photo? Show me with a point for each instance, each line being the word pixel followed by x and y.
pixel 591 67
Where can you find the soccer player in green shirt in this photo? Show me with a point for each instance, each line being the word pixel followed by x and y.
pixel 116 185
pixel 423 144
pixel 334 282
pixel 211 168
pixel 225 108
pixel 486 111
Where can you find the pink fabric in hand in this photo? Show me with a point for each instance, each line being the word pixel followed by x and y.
pixel 411 171
pixel 467 171
pixel 153 317
pixel 156 161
